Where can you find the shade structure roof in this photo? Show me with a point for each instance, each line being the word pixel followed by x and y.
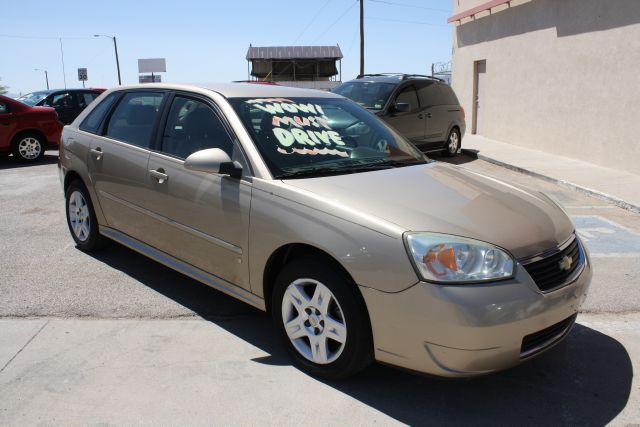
pixel 294 52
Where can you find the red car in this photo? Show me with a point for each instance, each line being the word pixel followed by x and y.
pixel 27 131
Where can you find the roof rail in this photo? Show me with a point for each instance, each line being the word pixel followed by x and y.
pixel 401 75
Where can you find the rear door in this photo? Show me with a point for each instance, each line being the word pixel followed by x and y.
pixel 438 118
pixel 7 125
pixel 410 124
pixel 118 161
pixel 205 216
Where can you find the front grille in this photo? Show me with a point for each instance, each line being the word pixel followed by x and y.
pixel 538 341
pixel 550 272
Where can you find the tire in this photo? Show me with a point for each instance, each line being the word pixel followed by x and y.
pixel 81 218
pixel 340 328
pixel 454 142
pixel 28 147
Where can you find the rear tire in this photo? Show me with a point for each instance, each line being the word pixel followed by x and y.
pixel 327 332
pixel 27 147
pixel 454 142
pixel 81 218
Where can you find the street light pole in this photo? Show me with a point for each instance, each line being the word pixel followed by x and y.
pixel 115 47
pixel 46 75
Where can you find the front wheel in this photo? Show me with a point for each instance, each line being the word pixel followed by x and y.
pixel 453 143
pixel 322 319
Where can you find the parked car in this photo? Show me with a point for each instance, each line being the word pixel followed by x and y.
pixel 422 108
pixel 67 102
pixel 303 204
pixel 27 131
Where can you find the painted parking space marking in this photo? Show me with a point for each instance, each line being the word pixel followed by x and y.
pixel 606 238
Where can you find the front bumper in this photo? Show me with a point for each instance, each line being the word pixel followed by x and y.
pixel 466 330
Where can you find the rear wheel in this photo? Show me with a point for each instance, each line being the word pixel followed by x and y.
pixel 322 319
pixel 453 143
pixel 81 218
pixel 28 147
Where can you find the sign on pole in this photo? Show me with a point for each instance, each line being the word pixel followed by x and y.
pixel 149 78
pixel 82 74
pixel 152 65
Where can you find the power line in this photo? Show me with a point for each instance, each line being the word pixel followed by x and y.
pixel 336 21
pixel 15 36
pixel 410 5
pixel 312 21
pixel 406 22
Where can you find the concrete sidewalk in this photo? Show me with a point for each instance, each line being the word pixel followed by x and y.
pixel 619 187
pixel 230 372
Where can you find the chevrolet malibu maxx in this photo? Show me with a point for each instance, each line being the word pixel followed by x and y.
pixel 307 206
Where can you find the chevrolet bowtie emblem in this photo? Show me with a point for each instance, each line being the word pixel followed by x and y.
pixel 565 263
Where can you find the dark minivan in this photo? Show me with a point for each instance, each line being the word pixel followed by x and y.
pixel 68 103
pixel 422 108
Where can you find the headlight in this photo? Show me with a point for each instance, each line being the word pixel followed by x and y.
pixel 450 259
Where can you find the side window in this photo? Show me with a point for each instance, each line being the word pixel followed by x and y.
pixel 429 94
pixel 449 95
pixel 133 118
pixel 93 121
pixel 85 98
pixel 4 108
pixel 409 96
pixel 61 100
pixel 192 126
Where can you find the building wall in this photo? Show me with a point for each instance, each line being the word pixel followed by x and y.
pixel 562 76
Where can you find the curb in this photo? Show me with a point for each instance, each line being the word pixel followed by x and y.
pixel 585 190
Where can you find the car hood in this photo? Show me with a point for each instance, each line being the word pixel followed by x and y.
pixel 448 199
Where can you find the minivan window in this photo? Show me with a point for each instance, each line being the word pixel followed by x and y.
pixel 93 121
pixel 85 98
pixel 409 96
pixel 308 137
pixel 33 98
pixel 192 126
pixel 133 118
pixel 371 95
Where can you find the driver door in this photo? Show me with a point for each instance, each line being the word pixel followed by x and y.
pixel 205 216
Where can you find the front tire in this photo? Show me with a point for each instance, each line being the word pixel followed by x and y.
pixel 81 218
pixel 454 143
pixel 322 319
pixel 27 147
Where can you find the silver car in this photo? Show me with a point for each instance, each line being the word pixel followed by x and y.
pixel 305 205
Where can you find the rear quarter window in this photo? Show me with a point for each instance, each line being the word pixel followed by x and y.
pixel 95 118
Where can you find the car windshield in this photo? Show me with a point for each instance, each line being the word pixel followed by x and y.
pixel 371 95
pixel 307 137
pixel 33 98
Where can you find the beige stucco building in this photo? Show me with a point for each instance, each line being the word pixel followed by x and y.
pixel 561 76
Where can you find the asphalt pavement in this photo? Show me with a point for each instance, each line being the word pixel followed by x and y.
pixel 114 338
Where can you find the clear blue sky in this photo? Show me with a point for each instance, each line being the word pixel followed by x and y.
pixel 206 41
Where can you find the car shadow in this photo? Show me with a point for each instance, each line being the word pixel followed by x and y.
pixel 8 162
pixel 585 380
pixel 458 159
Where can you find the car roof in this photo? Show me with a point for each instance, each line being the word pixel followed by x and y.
pixel 395 78
pixel 239 90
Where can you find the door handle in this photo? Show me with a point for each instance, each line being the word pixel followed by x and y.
pixel 96 152
pixel 428 115
pixel 159 175
pixel 421 116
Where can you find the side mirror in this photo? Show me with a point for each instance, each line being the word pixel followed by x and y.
pixel 401 107
pixel 213 160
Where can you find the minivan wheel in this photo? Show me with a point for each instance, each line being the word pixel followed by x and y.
pixel 81 218
pixel 453 143
pixel 322 319
pixel 27 147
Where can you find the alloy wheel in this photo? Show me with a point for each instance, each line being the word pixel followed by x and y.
pixel 79 218
pixel 313 321
pixel 29 148
pixel 454 140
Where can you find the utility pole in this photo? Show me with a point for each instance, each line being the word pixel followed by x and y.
pixel 361 36
pixel 115 47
